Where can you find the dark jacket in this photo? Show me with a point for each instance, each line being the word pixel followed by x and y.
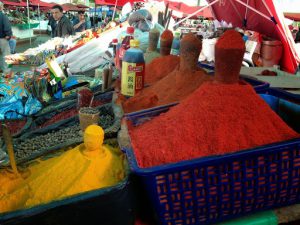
pixel 52 23
pixel 5 28
pixel 64 27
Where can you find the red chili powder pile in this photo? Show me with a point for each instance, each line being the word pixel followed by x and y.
pixel 216 119
pixel 177 85
pixel 172 88
pixel 85 96
pixel 160 67
pixel 167 34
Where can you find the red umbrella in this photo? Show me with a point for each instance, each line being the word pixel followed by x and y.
pixel 41 3
pixel 113 2
pixel 20 4
pixel 70 7
pixel 292 16
pixel 82 6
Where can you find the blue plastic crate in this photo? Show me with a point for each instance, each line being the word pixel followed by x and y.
pixel 213 189
pixel 89 208
pixel 259 86
pixel 280 93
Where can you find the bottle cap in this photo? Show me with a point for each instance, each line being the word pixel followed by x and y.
pixel 134 43
pixel 130 30
pixel 177 34
pixel 115 41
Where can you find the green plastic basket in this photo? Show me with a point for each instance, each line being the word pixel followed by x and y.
pixel 27 26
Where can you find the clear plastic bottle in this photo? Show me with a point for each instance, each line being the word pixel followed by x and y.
pixel 133 70
pixel 126 43
pixel 176 44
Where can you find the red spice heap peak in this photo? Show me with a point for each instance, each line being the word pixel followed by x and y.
pixel 190 48
pixel 167 34
pixel 231 39
pixel 229 53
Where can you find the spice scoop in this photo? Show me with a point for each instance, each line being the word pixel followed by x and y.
pixel 10 150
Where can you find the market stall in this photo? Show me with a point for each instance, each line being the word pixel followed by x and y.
pixel 130 123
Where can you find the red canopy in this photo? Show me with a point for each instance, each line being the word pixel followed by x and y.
pixel 41 3
pixel 70 7
pixel 20 4
pixel 234 12
pixel 113 2
pixel 293 16
pixel 185 10
pixel 82 6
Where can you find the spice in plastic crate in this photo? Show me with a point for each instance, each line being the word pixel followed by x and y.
pixel 218 118
pixel 84 168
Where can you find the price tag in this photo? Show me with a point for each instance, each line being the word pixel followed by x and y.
pixel 53 82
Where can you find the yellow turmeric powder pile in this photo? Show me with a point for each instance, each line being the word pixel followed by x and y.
pixel 87 167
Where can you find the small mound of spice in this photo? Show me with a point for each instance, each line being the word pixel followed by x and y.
pixel 268 73
pixel 216 119
pixel 166 40
pixel 85 96
pixel 167 34
pixel 160 67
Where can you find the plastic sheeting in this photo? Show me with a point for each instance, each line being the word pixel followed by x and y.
pixel 141 19
pixel 92 54
pixel 16 102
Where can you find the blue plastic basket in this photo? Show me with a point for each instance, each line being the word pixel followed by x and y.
pixel 259 86
pixel 89 208
pixel 281 94
pixel 213 189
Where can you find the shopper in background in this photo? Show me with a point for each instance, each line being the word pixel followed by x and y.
pixel 5 35
pixel 64 27
pixel 52 24
pixel 80 24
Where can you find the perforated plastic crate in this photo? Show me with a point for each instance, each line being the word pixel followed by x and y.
pixel 280 93
pixel 213 189
pixel 258 85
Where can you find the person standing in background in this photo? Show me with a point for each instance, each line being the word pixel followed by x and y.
pixel 64 27
pixel 5 36
pixel 80 23
pixel 52 24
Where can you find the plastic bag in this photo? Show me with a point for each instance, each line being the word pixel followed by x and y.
pixel 141 19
